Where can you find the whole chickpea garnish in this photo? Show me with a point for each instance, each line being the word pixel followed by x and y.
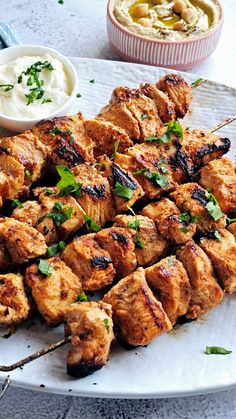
pixel 158 1
pixel 179 26
pixel 189 15
pixel 179 6
pixel 141 10
pixel 144 21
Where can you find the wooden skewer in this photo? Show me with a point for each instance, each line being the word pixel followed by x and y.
pixel 5 386
pixel 224 123
pixel 36 355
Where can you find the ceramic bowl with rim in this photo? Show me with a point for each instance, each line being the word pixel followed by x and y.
pixel 8 54
pixel 183 54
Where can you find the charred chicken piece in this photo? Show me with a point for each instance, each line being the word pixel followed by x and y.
pixel 203 146
pixel 55 291
pixel 91 329
pixel 222 253
pixel 179 92
pixel 96 198
pixel 219 176
pixel 196 206
pixel 105 135
pixel 169 222
pixel 51 132
pixel 206 293
pixel 12 176
pixel 14 305
pixel 21 241
pixel 138 316
pixel 92 264
pixel 232 229
pixel 165 107
pixel 29 151
pixel 169 280
pixel 149 246
pixel 118 242
pixel 143 109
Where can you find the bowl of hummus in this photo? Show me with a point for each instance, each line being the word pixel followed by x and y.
pixel 168 33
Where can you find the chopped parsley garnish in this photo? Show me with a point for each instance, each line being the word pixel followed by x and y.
pixel 123 191
pixel 82 297
pixel 78 95
pixel 174 127
pixel 45 268
pixel 49 191
pixel 7 87
pixel 231 220
pixel 216 350
pixel 116 145
pixel 217 235
pixel 47 100
pixel 198 82
pixel 35 94
pixel 152 139
pixel 60 214
pixel 67 132
pixel 16 203
pixel 144 116
pixel 213 208
pixel 170 262
pixel 90 224
pixel 187 217
pixel 61 1
pixel 135 225
pixel 56 248
pixel 140 171
pixel 27 173
pixel 92 81
pixel 106 323
pixel 68 184
pixel 184 230
pixel 158 179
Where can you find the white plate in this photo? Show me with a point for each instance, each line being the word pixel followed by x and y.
pixel 175 364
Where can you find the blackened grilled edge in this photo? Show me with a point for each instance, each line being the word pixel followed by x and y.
pixel 82 369
pixel 212 148
pixel 180 160
pixel 123 178
pixel 67 152
pixel 96 191
pixel 200 196
pixel 100 262
pixel 121 238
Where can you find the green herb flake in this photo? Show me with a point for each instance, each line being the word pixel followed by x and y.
pixel 45 268
pixel 135 225
pixel 151 139
pixel 16 203
pixel 144 116
pixel 216 350
pixel 116 145
pixel 164 170
pixel 123 191
pixel 231 220
pixel 173 127
pixel 213 208
pixel 61 1
pixel 198 82
pixel 47 100
pixel 49 191
pixel 68 184
pixel 140 171
pixel 82 297
pixel 60 213
pixel 158 179
pixel 7 87
pixel 78 95
pixel 184 230
pixel 92 81
pixel 90 224
pixel 106 324
pixel 56 248
pixel 187 217
pixel 217 235
pixel 170 262
pixel 27 173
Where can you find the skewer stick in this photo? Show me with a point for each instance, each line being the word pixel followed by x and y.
pixel 34 356
pixel 224 123
pixel 5 386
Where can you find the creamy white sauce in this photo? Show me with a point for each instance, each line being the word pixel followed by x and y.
pixel 57 86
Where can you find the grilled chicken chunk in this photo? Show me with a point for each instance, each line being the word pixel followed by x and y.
pixel 143 109
pixel 91 328
pixel 169 280
pixel 54 292
pixel 6 261
pixel 179 92
pixel 105 135
pixel 89 262
pixel 149 246
pixel 168 220
pixel 165 108
pixel 4 187
pixel 219 176
pixel 29 151
pixel 70 128
pixel 22 241
pixel 206 293
pixel 145 161
pixel 222 253
pixel 203 146
pixel 96 199
pixel 114 174
pixel 137 315
pixel 14 305
pixel 118 242
pixel 13 183
pixel 232 229
pixel 195 204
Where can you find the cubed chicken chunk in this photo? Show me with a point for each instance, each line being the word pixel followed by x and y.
pixel 91 329
pixel 118 242
pixel 89 262
pixel 14 305
pixel 222 253
pixel 149 246
pixel 55 291
pixel 14 182
pixel 6 261
pixel 165 108
pixel 169 280
pixel 219 177
pixel 138 316
pixel 232 229
pixel 206 293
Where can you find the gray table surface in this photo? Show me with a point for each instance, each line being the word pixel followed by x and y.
pixel 78 28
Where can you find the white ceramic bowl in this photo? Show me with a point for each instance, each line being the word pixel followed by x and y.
pixel 8 54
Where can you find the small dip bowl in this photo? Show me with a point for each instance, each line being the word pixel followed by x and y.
pixel 182 54
pixel 9 54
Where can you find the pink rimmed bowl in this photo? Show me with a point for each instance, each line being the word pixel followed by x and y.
pixel 180 55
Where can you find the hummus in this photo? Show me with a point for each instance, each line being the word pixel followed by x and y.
pixel 167 19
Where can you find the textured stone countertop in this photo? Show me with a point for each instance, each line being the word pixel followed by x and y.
pixel 78 28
